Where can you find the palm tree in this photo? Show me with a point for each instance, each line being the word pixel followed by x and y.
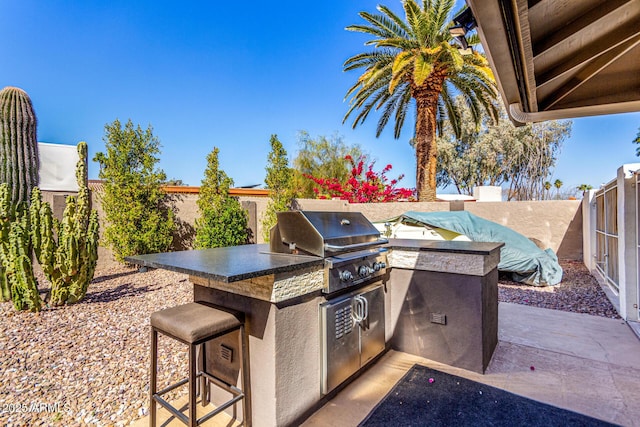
pixel 547 187
pixel 557 183
pixel 584 187
pixel 417 61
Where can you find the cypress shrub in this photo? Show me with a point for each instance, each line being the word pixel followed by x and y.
pixel 222 221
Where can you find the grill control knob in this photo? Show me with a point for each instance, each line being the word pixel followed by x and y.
pixel 346 276
pixel 377 266
pixel 365 271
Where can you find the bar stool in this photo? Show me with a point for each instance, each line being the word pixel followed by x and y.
pixel 195 324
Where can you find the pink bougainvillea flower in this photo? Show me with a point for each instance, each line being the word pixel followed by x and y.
pixel 363 186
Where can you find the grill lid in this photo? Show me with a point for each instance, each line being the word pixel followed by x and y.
pixel 323 233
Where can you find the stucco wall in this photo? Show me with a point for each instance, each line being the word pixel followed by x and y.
pixel 555 224
pixel 381 211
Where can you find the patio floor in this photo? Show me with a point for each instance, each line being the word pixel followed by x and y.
pixel 584 363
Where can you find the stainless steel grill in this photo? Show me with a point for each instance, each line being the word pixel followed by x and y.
pixel 350 244
pixel 352 330
pixel 323 233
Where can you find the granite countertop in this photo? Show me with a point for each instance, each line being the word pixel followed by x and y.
pixel 231 264
pixel 253 271
pixel 238 263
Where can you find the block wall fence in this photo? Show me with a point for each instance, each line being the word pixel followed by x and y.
pixel 555 224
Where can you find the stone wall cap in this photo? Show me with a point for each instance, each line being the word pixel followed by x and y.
pixel 481 248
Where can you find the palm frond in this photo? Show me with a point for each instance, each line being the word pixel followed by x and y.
pixel 442 9
pixel 453 113
pixel 368 59
pixel 401 25
pixel 401 112
pixel 381 97
pixel 397 43
pixel 390 107
pixel 412 12
pixel 473 39
pixel 422 68
pixel 374 93
pixel 400 68
pixel 385 26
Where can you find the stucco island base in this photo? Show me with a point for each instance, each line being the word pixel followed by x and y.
pixel 280 296
pixel 448 317
pixel 284 351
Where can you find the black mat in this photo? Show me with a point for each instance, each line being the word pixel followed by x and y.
pixel 425 397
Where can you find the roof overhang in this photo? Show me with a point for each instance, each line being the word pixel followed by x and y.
pixel 556 59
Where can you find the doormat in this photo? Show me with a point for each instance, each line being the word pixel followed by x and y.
pixel 425 397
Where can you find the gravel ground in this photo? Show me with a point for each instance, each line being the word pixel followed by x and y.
pixel 87 364
pixel 579 292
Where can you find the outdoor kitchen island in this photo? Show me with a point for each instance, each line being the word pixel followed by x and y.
pixel 281 295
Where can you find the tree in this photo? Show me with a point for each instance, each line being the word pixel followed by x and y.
pixel 416 60
pixel 557 183
pixel 139 217
pixel 363 186
pixel 498 153
pixel 637 141
pixel 279 181
pixel 321 157
pixel 222 220
pixel 467 159
pixel 173 181
pixel 547 187
pixel 584 187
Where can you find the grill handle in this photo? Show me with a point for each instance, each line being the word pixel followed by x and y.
pixel 338 248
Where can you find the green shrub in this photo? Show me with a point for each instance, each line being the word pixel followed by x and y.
pixel 222 220
pixel 138 216
pixel 279 181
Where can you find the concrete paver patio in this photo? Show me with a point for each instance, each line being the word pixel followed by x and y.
pixel 584 363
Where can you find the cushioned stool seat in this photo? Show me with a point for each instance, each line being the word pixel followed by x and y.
pixel 195 324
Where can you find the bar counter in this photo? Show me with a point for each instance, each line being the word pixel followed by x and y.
pixel 280 295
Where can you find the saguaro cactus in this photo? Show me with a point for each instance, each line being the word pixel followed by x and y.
pixel 18 143
pixel 67 250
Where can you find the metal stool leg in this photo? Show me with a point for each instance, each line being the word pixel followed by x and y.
pixel 192 385
pixel 153 377
pixel 246 379
pixel 204 384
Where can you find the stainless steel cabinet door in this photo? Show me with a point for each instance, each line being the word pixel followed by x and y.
pixel 372 329
pixel 339 343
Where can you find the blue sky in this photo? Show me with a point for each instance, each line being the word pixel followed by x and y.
pixel 225 74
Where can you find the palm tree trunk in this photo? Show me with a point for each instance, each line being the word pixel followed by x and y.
pixel 426 150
